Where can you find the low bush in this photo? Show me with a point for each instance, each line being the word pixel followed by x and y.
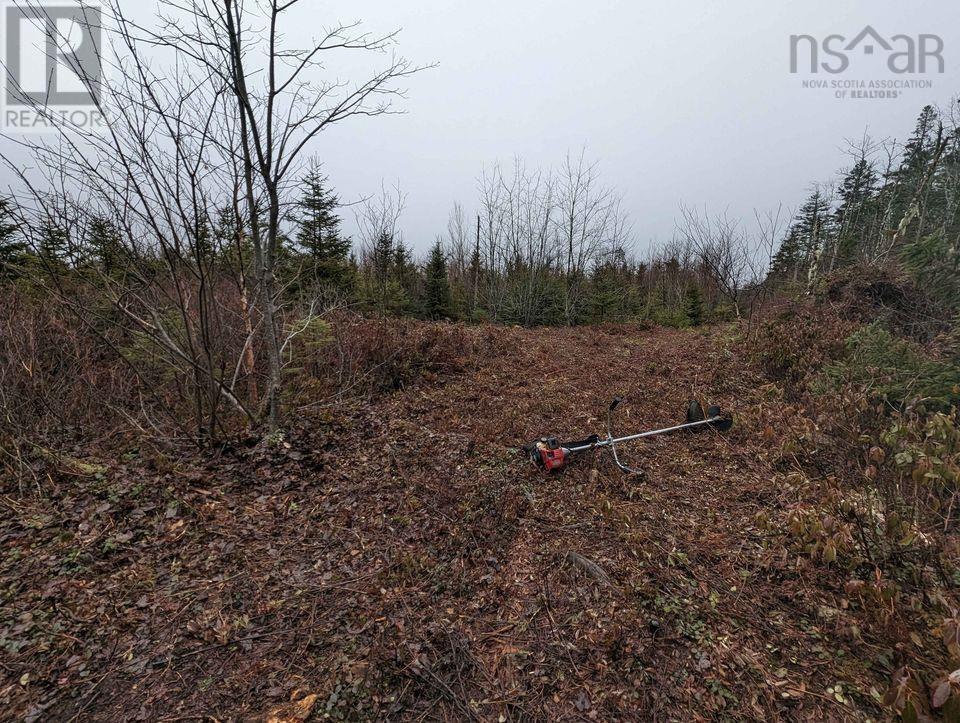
pixel 897 371
pixel 59 384
pixel 872 364
pixel 797 343
pixel 354 356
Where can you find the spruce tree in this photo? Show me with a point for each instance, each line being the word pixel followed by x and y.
pixel 945 217
pixel 318 228
pixel 13 251
pixel 854 216
pixel 202 241
pixel 920 148
pixel 606 293
pixel 436 296
pixel 103 242
pixel 806 237
pixel 53 246
pixel 788 259
pixel 934 262
pixel 693 305
pixel 228 238
pixel 403 268
pixel 403 281
pixel 474 283
pixel 382 257
pixel 903 184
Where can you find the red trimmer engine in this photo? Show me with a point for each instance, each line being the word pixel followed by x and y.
pixel 549 454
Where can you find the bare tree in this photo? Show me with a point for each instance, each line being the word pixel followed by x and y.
pixel 588 220
pixel 378 219
pixel 722 247
pixel 208 108
pixel 459 243
pixel 757 283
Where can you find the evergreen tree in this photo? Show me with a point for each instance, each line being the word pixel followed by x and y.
pixel 403 281
pixel 606 294
pixel 903 184
pixel 805 238
pixel 789 257
pixel 103 242
pixel 403 269
pixel 812 223
pixel 53 246
pixel 436 296
pixel 318 228
pixel 202 240
pixel 228 238
pixel 382 257
pixel 946 189
pixel 693 305
pixel 934 262
pixel 380 286
pixel 474 282
pixel 13 251
pixel 854 216
pixel 350 282
pixel 920 147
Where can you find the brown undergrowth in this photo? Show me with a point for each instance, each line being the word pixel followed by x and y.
pixel 869 441
pixel 392 556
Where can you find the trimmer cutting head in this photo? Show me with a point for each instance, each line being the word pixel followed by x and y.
pixel 720 421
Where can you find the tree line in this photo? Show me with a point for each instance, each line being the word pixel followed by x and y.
pixel 199 243
pixel 545 248
pixel 890 198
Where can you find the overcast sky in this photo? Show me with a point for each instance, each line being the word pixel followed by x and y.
pixel 679 102
pixel 688 102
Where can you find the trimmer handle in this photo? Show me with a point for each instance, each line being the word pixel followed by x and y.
pixel 582 444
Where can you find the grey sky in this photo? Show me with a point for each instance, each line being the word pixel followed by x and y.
pixel 689 102
pixel 677 101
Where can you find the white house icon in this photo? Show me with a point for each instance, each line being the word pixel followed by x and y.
pixel 869 32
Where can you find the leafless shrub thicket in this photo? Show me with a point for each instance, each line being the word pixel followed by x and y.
pixel 209 119
pixel 734 258
pixel 536 226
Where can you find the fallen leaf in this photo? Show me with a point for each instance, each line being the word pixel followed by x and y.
pixel 294 712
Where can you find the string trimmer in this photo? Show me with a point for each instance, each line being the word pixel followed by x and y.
pixel 550 454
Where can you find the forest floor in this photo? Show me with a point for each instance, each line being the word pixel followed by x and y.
pixel 399 559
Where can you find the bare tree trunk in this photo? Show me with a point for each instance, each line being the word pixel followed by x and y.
pixel 476 270
pixel 913 210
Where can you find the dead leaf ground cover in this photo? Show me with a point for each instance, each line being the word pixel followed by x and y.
pixel 398 559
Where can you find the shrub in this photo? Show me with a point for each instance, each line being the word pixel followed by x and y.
pixel 675 318
pixel 357 356
pixel 59 384
pixel 307 338
pixel 798 343
pixel 925 459
pixel 934 262
pixel 897 371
